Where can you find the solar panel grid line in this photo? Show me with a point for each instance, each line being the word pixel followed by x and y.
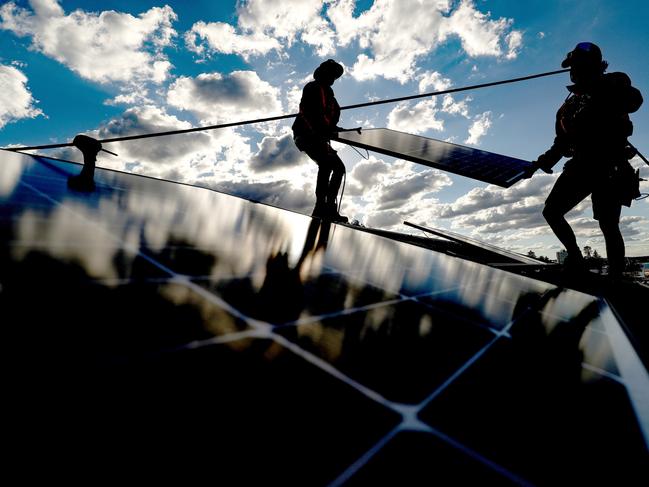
pixel 602 372
pixel 331 370
pixel 177 277
pixel 450 380
pixel 344 312
pixel 353 469
pixel 475 358
pixel 358 465
pixel 220 339
pixel 635 377
pixel 517 479
pixel 100 228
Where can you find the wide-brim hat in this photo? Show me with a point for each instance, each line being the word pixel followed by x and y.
pixel 584 52
pixel 330 69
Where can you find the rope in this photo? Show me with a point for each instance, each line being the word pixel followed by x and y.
pixel 292 115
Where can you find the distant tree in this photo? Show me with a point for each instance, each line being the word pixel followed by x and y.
pixel 596 255
pixel 588 251
pixel 531 254
pixel 543 258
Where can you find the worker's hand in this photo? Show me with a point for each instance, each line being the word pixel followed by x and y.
pixel 529 172
pixel 540 163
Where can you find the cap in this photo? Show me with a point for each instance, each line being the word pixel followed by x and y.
pixel 329 68
pixel 583 52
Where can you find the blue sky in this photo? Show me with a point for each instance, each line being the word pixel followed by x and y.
pixel 122 67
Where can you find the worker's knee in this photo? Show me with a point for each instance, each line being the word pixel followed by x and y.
pixel 550 214
pixel 337 164
pixel 609 225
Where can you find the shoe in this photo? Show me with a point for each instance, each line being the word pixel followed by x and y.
pixel 574 265
pixel 338 218
pixel 334 216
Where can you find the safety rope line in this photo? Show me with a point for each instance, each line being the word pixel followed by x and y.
pixel 292 115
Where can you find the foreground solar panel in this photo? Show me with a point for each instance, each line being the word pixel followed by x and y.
pixel 465 161
pixel 152 328
pixel 456 237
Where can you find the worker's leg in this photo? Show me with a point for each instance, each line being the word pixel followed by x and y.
pixel 321 158
pixel 569 190
pixel 338 169
pixel 607 210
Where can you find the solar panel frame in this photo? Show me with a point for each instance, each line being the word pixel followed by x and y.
pixel 478 164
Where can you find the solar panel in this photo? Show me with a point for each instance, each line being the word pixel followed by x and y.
pixel 153 325
pixel 473 163
pixel 456 237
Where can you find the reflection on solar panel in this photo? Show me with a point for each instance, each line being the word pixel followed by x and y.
pixel 465 161
pixel 456 237
pixel 150 326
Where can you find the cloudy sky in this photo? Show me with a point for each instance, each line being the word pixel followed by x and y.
pixel 119 67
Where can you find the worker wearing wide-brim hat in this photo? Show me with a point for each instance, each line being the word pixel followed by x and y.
pixel 312 130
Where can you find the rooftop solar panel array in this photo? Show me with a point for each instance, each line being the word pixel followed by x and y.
pixel 465 161
pixel 155 326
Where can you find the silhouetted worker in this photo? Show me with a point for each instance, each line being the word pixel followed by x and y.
pixel 592 127
pixel 312 130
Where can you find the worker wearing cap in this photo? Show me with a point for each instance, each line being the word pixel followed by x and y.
pixel 592 127
pixel 312 130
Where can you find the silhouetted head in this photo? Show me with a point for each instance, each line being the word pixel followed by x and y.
pixel 328 72
pixel 585 62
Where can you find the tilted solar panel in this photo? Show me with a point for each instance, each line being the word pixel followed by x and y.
pixel 473 163
pixel 456 237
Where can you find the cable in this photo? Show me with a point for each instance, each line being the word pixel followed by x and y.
pixel 360 154
pixel 292 115
pixel 342 192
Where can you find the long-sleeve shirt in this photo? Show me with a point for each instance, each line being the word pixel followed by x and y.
pixel 593 123
pixel 319 112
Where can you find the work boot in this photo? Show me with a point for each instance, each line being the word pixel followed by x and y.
pixel 574 265
pixel 334 216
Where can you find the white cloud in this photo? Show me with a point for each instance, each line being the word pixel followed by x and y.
pixel 197 158
pixel 264 26
pixel 415 119
pixel 480 36
pixel 105 47
pixel 533 190
pixel 392 192
pixel 204 38
pixel 450 106
pixel 16 100
pixel 479 128
pixel 398 33
pixel 216 98
pixel 434 79
pixel 514 42
pixel 276 153
pixel 131 98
